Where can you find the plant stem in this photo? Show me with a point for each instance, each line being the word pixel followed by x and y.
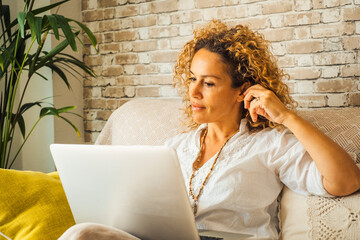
pixel 12 126
pixel 17 153
pixel 8 105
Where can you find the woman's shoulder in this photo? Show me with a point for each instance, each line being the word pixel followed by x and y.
pixel 271 137
pixel 176 140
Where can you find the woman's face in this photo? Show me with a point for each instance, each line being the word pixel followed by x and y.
pixel 211 95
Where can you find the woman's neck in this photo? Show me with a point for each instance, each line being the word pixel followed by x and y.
pixel 220 132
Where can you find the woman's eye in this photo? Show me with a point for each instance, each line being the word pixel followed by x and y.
pixel 192 79
pixel 209 84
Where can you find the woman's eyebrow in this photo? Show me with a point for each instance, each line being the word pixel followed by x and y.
pixel 205 76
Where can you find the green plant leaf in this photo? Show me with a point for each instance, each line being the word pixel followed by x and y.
pixel 69 35
pixel 72 125
pixel 21 20
pixel 21 123
pixel 27 106
pixel 67 67
pixel 48 111
pixel 60 73
pixel 6 16
pixel 61 46
pixel 31 20
pixel 46 8
pixel 1 63
pixel 65 109
pixel 54 25
pixel 74 61
pixel 40 75
pixel 87 31
pixel 38 29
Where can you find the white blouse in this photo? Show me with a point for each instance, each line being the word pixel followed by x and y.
pixel 241 193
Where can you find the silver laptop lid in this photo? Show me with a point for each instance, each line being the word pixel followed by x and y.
pixel 138 189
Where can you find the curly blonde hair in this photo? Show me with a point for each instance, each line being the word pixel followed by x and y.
pixel 249 59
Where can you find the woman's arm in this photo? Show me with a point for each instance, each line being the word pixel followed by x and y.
pixel 340 174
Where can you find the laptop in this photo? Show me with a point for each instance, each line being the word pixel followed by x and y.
pixel 138 189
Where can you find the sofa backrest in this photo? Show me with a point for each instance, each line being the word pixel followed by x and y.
pixel 152 121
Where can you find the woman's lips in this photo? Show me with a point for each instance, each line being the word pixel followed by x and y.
pixel 196 107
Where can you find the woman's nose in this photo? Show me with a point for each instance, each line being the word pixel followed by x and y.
pixel 195 90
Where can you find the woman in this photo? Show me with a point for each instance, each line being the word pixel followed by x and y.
pixel 246 142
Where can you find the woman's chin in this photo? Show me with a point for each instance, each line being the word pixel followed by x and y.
pixel 199 120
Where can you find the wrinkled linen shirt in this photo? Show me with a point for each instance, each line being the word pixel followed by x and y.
pixel 241 193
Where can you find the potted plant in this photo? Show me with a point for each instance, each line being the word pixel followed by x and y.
pixel 28 32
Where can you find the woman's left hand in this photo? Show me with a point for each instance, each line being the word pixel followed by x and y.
pixel 261 101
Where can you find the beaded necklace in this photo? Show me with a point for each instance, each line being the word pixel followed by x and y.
pixel 195 168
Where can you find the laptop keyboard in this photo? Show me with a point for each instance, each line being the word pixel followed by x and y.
pixel 209 238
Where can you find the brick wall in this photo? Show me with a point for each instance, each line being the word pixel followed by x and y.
pixel 316 41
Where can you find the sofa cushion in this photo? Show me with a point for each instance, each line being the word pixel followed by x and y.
pixel 33 205
pixel 313 217
pixel 341 125
pixel 143 122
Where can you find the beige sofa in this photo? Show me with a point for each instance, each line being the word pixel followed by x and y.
pixel 144 121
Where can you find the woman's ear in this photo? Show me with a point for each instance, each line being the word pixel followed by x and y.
pixel 243 88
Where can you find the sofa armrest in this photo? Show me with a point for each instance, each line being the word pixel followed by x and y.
pixel 314 217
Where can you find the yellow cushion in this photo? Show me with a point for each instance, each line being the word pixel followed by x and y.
pixel 33 205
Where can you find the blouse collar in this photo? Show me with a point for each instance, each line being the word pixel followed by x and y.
pixel 243 128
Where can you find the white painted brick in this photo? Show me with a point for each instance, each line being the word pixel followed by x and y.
pixel 144 33
pixel 304 60
pixel 209 14
pixel 145 8
pixel 90 115
pixel 334 58
pixel 94 26
pixel 186 4
pixel 331 15
pixel 333 44
pixel 304 86
pixel 303 5
pixel 357 27
pixel 129 69
pixel 279 48
pixel 277 21
pixel 185 30
pixel 310 100
pixel 144 57
pixel 126 47
pixel 163 43
pixel 126 23
pixel 302 32
pixel 168 91
pixel 253 10
pixel 164 19
pixel 179 42
pixel 337 100
pixel 96 92
pixel 93 51
pixel 331 3
pixel 92 4
pixel 330 72
pixel 166 68
pixel 108 59
pixel 129 91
